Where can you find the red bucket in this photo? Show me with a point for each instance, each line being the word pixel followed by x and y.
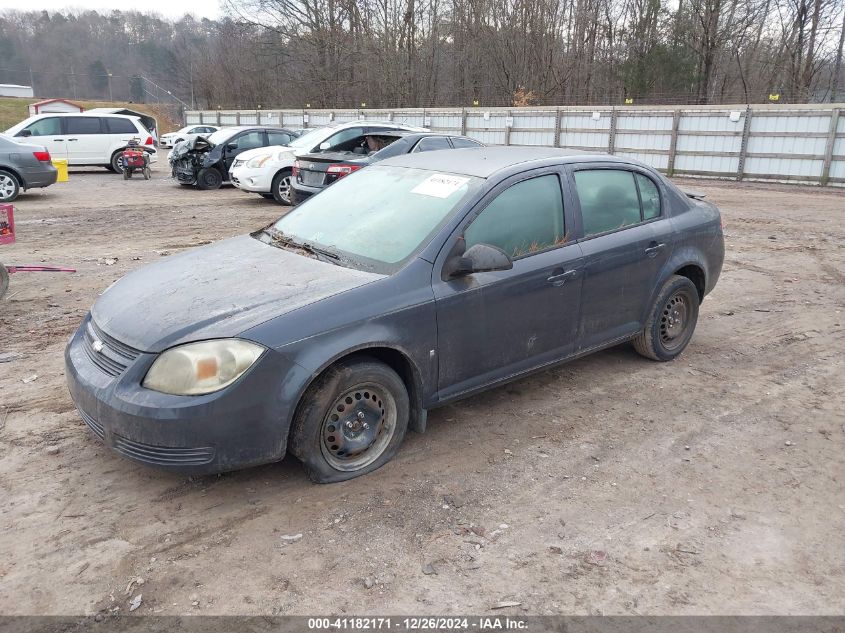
pixel 7 224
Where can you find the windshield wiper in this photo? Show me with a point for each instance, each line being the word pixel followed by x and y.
pixel 285 240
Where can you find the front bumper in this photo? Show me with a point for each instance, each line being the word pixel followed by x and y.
pixel 183 171
pixel 243 425
pixel 252 180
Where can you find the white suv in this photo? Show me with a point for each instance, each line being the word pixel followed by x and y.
pixel 86 139
pixel 267 170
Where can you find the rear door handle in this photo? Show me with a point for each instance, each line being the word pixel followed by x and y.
pixel 560 278
pixel 652 250
pixel 73 139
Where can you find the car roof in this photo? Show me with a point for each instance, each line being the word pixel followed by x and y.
pixel 44 115
pixel 483 162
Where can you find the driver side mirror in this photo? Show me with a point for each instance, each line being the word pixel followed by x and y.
pixel 231 147
pixel 325 145
pixel 25 133
pixel 480 258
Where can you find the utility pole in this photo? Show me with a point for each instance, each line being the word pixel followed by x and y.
pixel 73 82
pixel 191 75
pixel 31 80
pixel 111 98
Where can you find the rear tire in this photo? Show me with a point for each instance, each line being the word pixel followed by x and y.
pixel 672 321
pixel 116 163
pixel 351 421
pixel 281 187
pixel 209 179
pixel 10 188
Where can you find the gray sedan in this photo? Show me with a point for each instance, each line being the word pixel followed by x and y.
pixel 23 166
pixel 407 285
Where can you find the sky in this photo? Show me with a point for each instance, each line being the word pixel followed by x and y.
pixel 167 8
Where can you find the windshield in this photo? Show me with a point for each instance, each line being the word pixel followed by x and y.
pixel 380 216
pixel 312 138
pixel 220 136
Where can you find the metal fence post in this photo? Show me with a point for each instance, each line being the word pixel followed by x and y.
pixel 557 128
pixel 611 137
pixel 201 118
pixel 673 143
pixel 238 117
pixel 828 150
pixel 218 118
pixel 463 121
pixel 743 148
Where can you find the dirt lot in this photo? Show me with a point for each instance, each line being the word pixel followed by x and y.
pixel 615 485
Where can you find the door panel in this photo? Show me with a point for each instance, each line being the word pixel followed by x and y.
pixel 49 133
pixel 623 251
pixel 87 142
pixel 494 325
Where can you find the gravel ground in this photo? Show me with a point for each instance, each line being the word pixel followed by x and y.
pixel 614 485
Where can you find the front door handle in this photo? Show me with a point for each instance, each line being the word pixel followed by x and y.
pixel 58 139
pixel 654 248
pixel 560 278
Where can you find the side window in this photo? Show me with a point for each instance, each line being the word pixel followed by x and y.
pixel 250 140
pixel 82 125
pixel 650 197
pixel 432 143
pixel 525 218
pixel 120 126
pixel 608 199
pixel 44 127
pixel 278 138
pixel 458 142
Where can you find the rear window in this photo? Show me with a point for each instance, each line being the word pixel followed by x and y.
pixel 120 126
pixel 83 125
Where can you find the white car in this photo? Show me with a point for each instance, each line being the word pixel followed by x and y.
pixel 267 170
pixel 186 134
pixel 86 139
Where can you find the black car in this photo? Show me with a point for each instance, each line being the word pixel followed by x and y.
pixel 204 161
pixel 403 287
pixel 314 172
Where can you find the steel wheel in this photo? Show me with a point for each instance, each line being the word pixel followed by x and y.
pixel 8 187
pixel 358 427
pixel 675 319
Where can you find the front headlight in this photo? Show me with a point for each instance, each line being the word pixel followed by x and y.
pixel 197 368
pixel 258 161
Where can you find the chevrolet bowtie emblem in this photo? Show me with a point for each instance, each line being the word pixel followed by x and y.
pixel 97 345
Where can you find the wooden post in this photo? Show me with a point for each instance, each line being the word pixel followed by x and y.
pixel 463 121
pixel 673 143
pixel 743 148
pixel 611 140
pixel 557 128
pixel 828 151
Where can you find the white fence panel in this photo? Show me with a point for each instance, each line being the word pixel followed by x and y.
pixel 780 143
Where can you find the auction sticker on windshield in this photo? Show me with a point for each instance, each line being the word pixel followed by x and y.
pixel 440 185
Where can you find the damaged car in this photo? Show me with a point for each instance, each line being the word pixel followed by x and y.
pixel 204 161
pixel 405 286
pixel 314 172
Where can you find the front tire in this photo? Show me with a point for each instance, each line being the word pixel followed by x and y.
pixel 209 179
pixel 672 321
pixel 351 421
pixel 281 187
pixel 10 188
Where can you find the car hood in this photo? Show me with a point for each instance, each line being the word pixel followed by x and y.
pixel 195 144
pixel 216 291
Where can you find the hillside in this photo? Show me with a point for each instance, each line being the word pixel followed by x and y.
pixel 15 109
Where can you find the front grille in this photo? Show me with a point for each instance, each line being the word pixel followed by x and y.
pixel 312 178
pixel 163 455
pixel 95 426
pixel 114 357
